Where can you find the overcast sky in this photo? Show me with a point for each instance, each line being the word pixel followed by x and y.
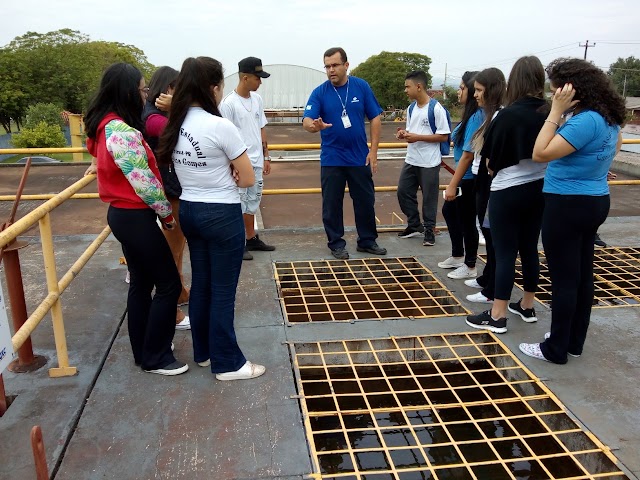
pixel 465 35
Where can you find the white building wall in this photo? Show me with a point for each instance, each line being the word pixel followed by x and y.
pixel 288 87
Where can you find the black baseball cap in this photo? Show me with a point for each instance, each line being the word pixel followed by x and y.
pixel 252 65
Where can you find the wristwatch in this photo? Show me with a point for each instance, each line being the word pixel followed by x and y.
pixel 267 158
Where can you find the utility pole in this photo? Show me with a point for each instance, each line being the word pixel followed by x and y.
pixel 624 86
pixel 586 46
pixel 444 87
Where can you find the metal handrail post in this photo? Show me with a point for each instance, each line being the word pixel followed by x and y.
pixel 46 234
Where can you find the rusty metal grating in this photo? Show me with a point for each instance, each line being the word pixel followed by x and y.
pixel 357 289
pixel 450 406
pixel 616 273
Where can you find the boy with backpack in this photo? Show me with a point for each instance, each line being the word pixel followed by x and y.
pixel 427 133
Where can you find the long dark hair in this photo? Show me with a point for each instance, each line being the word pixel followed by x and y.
pixel 119 93
pixel 470 107
pixel 525 80
pixel 492 79
pixel 193 85
pixel 593 88
pixel 161 80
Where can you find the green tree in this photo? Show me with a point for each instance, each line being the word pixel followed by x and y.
pixel 49 113
pixel 40 136
pixel 385 73
pixel 625 75
pixel 61 67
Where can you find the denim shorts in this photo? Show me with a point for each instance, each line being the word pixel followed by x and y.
pixel 250 197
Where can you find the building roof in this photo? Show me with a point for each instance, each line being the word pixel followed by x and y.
pixel 632 103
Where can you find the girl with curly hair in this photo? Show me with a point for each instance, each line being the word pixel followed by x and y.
pixel 579 153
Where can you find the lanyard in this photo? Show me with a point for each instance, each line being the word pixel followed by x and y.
pixel 346 98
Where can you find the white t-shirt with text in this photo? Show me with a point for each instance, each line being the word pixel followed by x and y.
pixel 426 154
pixel 206 145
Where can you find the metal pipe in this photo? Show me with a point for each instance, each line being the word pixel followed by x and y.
pixel 4 402
pixel 275 146
pixel 39 455
pixel 32 217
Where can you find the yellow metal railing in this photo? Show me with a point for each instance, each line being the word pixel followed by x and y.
pixel 55 287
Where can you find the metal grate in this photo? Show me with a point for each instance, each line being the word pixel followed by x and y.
pixel 616 277
pixel 450 406
pixel 367 288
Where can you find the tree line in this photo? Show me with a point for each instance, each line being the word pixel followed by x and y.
pixel 61 68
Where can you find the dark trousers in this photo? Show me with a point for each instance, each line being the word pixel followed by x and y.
pixel 460 215
pixel 360 182
pixel 515 216
pixel 569 227
pixel 151 320
pixel 215 234
pixel 427 179
pixel 483 191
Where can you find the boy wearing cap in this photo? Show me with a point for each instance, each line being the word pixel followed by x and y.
pixel 244 108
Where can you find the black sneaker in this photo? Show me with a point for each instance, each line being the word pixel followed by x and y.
pixel 526 314
pixel 175 368
pixel 374 248
pixel 598 242
pixel 340 253
pixel 485 321
pixel 411 232
pixel 429 238
pixel 246 255
pixel 256 244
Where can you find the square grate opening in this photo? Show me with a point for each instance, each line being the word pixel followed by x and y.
pixel 358 289
pixel 450 406
pixel 616 272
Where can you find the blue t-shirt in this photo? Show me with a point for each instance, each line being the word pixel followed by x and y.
pixel 343 147
pixel 466 145
pixel 584 172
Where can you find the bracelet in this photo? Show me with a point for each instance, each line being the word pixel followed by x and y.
pixel 555 123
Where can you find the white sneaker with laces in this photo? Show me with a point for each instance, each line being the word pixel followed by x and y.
pixel 185 324
pixel 532 350
pixel 463 272
pixel 452 262
pixel 473 283
pixel 478 298
pixel 247 371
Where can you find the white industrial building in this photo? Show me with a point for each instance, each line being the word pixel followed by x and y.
pixel 288 87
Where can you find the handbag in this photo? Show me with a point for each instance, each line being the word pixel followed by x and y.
pixel 172 187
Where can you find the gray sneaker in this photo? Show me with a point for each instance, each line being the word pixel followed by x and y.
pixel 340 253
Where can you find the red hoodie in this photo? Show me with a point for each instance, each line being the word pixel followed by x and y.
pixel 113 186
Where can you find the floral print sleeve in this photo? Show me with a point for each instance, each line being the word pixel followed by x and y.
pixel 124 143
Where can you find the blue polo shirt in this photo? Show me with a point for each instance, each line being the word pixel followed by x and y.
pixel 343 147
pixel 467 142
pixel 583 172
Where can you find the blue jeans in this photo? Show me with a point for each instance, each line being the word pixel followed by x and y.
pixel 215 234
pixel 360 182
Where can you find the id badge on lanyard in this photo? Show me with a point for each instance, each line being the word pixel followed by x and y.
pixel 345 119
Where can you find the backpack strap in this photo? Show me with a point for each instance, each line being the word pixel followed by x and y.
pixel 412 105
pixel 431 115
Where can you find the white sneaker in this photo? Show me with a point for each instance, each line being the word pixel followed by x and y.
pixel 473 283
pixel 478 298
pixel 247 371
pixel 206 363
pixel 127 277
pixel 482 240
pixel 463 272
pixel 185 324
pixel 452 262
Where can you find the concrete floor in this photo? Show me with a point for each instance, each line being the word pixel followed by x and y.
pixel 114 421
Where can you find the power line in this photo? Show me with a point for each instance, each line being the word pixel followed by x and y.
pixel 507 60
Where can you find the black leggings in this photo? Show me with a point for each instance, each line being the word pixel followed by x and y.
pixel 487 279
pixel 460 215
pixel 151 320
pixel 569 228
pixel 515 215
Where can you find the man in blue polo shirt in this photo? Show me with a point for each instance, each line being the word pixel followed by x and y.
pixel 337 110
